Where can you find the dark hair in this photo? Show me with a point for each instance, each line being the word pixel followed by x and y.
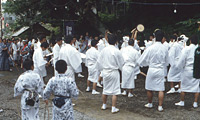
pixel 159 35
pixel 68 39
pixel 61 66
pixel 173 37
pixel 28 64
pixel 194 39
pixel 151 35
pixel 131 41
pixel 45 45
pixel 58 39
pixel 112 39
pixel 41 37
pixel 94 43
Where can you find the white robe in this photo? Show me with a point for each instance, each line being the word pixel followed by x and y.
pixel 174 74
pixel 56 51
pixel 92 55
pixel 148 44
pixel 124 44
pixel 102 44
pixel 31 81
pixel 156 57
pixel 130 56
pixel 136 46
pixel 38 45
pixel 109 62
pixel 185 63
pixel 14 47
pixel 39 62
pixel 73 59
pixel 171 44
pixel 166 44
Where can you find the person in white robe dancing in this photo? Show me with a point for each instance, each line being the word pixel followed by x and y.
pixel 109 62
pixel 71 56
pixel 39 61
pixel 56 51
pixel 130 56
pixel 92 55
pixel 156 57
pixel 174 74
pixel 186 63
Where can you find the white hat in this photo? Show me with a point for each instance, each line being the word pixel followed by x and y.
pixel 125 39
pixel 24 40
pixel 184 38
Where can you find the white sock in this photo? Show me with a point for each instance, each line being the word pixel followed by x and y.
pixel 104 106
pixel 113 107
pixel 195 103
pixel 93 90
pixel 173 89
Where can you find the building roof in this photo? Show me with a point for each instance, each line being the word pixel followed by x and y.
pixel 20 31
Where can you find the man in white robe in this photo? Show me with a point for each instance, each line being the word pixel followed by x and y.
pixel 173 38
pixel 174 74
pixel 166 44
pixel 15 50
pixel 39 61
pixel 130 56
pixel 72 57
pixel 56 51
pixel 109 62
pixel 125 43
pixel 188 82
pixel 29 83
pixel 75 45
pixel 150 42
pixel 156 57
pixel 102 44
pixel 42 39
pixel 92 55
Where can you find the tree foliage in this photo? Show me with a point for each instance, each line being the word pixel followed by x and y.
pixel 116 15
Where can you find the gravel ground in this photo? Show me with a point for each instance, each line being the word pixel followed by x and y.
pixel 88 106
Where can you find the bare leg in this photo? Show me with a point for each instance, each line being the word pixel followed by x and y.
pixel 160 97
pixel 114 100
pixel 131 91
pixel 100 78
pixel 171 84
pixel 88 83
pixel 150 96
pixel 104 98
pixel 94 86
pixel 196 95
pixel 182 96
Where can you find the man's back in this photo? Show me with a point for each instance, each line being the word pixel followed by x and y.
pixel 111 58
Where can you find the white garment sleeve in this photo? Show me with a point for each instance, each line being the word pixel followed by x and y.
pixel 182 60
pixel 144 58
pixel 172 52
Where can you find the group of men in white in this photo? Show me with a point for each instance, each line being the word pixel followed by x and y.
pixel 104 60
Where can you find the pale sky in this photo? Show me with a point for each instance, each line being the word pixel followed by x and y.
pixel 3 0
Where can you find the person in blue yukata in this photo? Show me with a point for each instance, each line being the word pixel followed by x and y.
pixel 4 66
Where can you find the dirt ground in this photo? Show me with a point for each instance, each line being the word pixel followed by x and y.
pixel 89 105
